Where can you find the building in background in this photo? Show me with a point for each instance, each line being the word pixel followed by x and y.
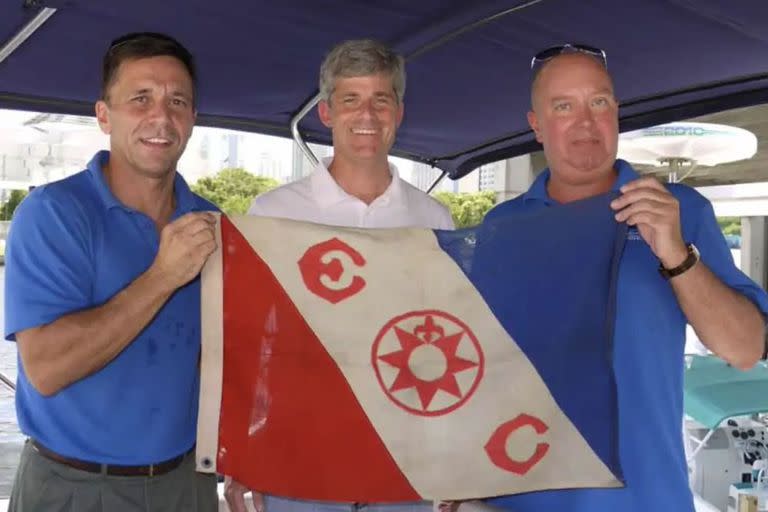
pixel 38 148
pixel 486 176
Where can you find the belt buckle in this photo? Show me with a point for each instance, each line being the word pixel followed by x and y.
pixel 151 470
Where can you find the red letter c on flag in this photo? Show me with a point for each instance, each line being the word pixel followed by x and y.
pixel 324 269
pixel 496 447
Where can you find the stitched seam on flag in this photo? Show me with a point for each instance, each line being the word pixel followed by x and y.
pixel 211 357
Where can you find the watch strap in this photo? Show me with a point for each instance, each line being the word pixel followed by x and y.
pixel 692 258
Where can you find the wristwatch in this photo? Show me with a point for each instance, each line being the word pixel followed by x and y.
pixel 690 261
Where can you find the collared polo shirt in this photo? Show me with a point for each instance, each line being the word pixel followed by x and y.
pixel 318 198
pixel 72 246
pixel 649 340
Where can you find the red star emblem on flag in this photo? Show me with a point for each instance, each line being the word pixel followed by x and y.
pixel 430 350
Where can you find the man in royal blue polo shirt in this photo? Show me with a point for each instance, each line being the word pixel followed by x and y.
pixel 102 298
pixel 662 284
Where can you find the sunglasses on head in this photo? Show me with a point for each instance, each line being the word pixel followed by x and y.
pixel 552 52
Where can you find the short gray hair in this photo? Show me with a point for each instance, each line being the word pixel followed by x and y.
pixel 361 57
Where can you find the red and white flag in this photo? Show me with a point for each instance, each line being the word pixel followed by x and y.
pixel 364 366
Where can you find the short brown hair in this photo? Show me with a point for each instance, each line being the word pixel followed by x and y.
pixel 140 45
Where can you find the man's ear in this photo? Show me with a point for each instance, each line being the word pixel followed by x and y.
pixel 533 122
pixel 102 116
pixel 324 113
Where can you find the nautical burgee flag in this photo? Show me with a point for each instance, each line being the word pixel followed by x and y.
pixel 405 364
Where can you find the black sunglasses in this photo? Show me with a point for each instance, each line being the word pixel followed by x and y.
pixel 554 51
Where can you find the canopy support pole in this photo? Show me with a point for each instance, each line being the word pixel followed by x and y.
pixel 295 129
pixel 8 382
pixel 437 182
pixel 26 31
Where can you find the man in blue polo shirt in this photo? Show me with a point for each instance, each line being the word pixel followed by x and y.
pixel 663 283
pixel 102 298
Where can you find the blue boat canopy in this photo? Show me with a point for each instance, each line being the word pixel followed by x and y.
pixel 468 62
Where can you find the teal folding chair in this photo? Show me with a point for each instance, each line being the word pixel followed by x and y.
pixel 715 391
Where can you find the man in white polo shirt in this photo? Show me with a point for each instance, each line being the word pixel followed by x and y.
pixel 362 83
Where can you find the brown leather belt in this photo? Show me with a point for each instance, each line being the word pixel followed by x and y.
pixel 94 467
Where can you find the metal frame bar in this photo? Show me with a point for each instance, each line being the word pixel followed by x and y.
pixel 437 182
pixel 700 442
pixel 8 382
pixel 26 31
pixel 297 138
pixel 441 40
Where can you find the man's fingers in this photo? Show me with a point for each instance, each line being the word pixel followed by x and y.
pixel 198 226
pixel 448 506
pixel 194 226
pixel 201 237
pixel 234 494
pixel 207 249
pixel 647 206
pixel 646 181
pixel 199 255
pixel 258 501
pixel 183 222
pixel 645 218
pixel 193 216
pixel 236 502
pixel 641 194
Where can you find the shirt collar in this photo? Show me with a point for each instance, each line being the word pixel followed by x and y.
pixel 326 192
pixel 538 190
pixel 185 200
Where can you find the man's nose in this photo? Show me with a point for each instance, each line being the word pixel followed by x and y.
pixel 586 116
pixel 161 110
pixel 367 108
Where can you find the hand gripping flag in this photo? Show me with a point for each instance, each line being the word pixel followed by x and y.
pixel 404 364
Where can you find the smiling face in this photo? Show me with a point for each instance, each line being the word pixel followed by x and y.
pixel 575 118
pixel 148 114
pixel 363 114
